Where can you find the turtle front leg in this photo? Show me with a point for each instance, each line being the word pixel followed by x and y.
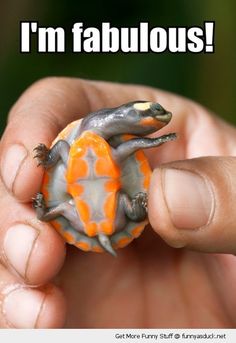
pixel 135 208
pixel 127 148
pixel 49 157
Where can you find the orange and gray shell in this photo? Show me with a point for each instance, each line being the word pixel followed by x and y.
pixel 93 180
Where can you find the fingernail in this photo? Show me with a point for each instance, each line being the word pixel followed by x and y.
pixel 11 163
pixel 188 197
pixel 22 307
pixel 18 244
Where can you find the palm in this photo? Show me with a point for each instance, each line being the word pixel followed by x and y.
pixel 148 285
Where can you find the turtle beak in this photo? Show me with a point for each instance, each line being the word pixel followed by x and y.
pixel 165 117
pixel 160 114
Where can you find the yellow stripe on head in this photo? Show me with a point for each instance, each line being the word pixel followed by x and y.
pixel 142 106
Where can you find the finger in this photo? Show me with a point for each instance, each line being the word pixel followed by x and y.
pixel 28 308
pixel 199 133
pixel 47 106
pixel 30 249
pixel 192 204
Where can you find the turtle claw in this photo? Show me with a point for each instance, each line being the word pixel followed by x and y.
pixel 38 201
pixel 139 205
pixel 140 199
pixel 42 155
pixel 39 205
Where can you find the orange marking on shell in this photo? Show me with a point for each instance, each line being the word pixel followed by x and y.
pixel 137 230
pixel 123 241
pixel 91 229
pixel 44 188
pixel 57 226
pixel 65 234
pixel 106 227
pixel 83 245
pixel 97 248
pixel 83 209
pixel 144 168
pixel 146 181
pixel 77 169
pixel 68 237
pixel 46 178
pixel 75 189
pixel 66 131
pixel 110 206
pixel 106 167
pixel 112 185
pixel 78 149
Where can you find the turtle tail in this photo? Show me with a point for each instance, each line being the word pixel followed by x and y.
pixel 105 242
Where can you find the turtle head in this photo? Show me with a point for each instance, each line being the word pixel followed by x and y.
pixel 144 117
pixel 138 118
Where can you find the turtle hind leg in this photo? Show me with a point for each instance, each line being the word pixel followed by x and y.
pixel 39 205
pixel 65 209
pixel 49 157
pixel 44 213
pixel 135 208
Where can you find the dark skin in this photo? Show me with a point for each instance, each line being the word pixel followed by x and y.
pixel 165 278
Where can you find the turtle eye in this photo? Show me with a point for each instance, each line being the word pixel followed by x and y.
pixel 157 108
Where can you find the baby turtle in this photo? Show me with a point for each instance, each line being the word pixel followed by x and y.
pixel 94 189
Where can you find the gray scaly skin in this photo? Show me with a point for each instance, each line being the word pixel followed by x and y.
pixel 138 118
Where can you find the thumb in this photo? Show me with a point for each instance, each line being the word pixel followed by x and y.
pixel 192 204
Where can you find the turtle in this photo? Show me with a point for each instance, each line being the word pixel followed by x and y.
pixel 96 176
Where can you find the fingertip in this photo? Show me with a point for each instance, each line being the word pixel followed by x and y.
pixel 12 159
pixel 53 309
pixel 29 308
pixel 191 204
pixel 19 171
pixel 182 204
pixel 28 181
pixel 34 251
pixel 47 256
pixel 158 212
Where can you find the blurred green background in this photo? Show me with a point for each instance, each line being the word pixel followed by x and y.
pixel 207 78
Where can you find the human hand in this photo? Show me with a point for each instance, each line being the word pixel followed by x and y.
pixel 150 284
